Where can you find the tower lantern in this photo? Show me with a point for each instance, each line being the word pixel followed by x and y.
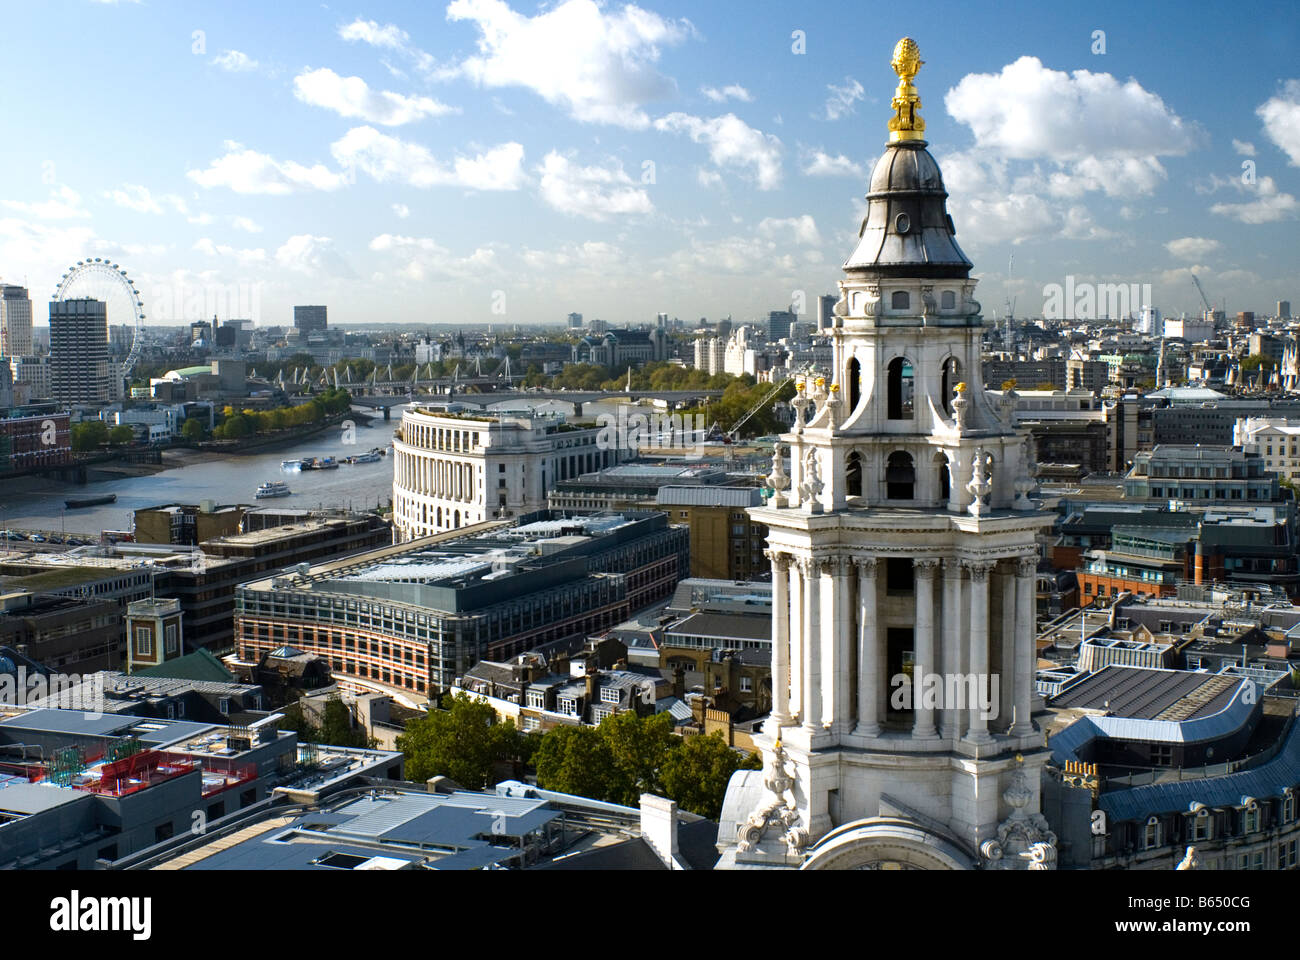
pixel 903 568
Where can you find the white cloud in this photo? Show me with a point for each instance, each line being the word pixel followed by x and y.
pixel 247 171
pixel 598 65
pixel 593 192
pixel 592 258
pixel 1244 147
pixel 387 37
pixel 247 224
pixel 245 257
pixel 842 98
pixel 140 199
pixel 368 31
pixel 1281 116
pixel 1029 111
pixel 1191 248
pixel 801 229
pixel 352 97
pixel 818 163
pixel 64 203
pixel 402 210
pixel 387 158
pixel 305 253
pixel 732 91
pixel 233 61
pixel 707 178
pixel 1270 205
pixel 731 143
pixel 1045 139
pixel 421 259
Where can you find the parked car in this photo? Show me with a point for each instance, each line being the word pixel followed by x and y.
pixel 37 538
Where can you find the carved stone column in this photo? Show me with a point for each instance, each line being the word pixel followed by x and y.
pixel 829 608
pixel 979 647
pixel 1026 635
pixel 868 651
pixel 812 688
pixel 954 620
pixel 840 639
pixel 794 617
pixel 923 716
pixel 780 638
pixel 1006 641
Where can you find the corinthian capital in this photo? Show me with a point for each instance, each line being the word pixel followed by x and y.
pixel 1026 566
pixel 779 560
pixel 978 569
pixel 866 566
pixel 925 566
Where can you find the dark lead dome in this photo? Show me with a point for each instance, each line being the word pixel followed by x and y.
pixel 907 231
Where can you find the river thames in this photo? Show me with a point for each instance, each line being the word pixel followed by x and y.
pixel 30 505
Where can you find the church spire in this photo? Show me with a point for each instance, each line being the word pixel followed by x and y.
pixel 906 124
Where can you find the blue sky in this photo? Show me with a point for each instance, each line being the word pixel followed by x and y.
pixel 504 161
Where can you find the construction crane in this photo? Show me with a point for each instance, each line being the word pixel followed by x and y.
pixel 732 435
pixel 1209 310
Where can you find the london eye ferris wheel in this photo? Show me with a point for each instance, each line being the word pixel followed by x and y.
pixel 101 279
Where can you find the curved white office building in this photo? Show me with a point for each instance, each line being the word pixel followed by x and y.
pixel 451 470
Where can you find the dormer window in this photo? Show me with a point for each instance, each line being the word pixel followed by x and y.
pixel 900 300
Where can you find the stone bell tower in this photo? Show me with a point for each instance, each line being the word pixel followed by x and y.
pixel 903 567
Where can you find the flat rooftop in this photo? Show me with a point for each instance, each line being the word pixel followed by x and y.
pixel 1150 694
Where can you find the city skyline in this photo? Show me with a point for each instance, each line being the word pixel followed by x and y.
pixel 489 162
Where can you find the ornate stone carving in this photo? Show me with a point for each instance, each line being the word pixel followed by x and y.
pixel 1026 566
pixel 778 809
pixel 866 566
pixel 1024 842
pixel 812 485
pixel 959 403
pixel 800 404
pixel 926 567
pixel 978 569
pixel 780 560
pixel 780 482
pixel 979 486
pixel 1189 861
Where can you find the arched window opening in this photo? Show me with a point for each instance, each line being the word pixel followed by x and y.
pixel 855 383
pixel 900 389
pixel 947 300
pixel 900 300
pixel 945 489
pixel 951 377
pixel 900 476
pixel 853 476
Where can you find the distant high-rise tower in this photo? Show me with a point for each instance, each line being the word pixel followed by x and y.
pixel 1284 309
pixel 309 319
pixel 575 321
pixel 79 368
pixel 826 311
pixel 904 552
pixel 15 322
pixel 780 324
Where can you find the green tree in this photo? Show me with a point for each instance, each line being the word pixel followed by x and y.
pixel 576 760
pixel 463 742
pixel 639 748
pixel 89 435
pixel 192 432
pixel 336 726
pixel 696 774
pixel 121 434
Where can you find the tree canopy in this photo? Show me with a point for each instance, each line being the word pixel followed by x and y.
pixel 463 742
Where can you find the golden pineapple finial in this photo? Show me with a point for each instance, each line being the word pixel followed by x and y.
pixel 906 123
